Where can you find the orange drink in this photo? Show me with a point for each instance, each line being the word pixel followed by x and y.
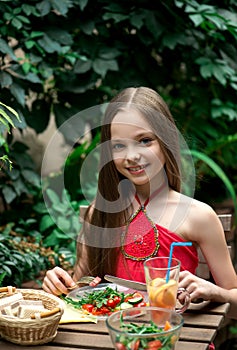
pixel 162 293
pixel 162 283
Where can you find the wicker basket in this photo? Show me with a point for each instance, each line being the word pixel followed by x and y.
pixel 33 331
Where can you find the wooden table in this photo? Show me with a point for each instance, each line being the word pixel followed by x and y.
pixel 201 322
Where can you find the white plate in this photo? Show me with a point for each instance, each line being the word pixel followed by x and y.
pixel 78 293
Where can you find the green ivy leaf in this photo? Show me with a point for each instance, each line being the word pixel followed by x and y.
pixel 117 17
pixel 6 49
pixel 137 20
pixel 40 208
pixel 23 19
pixel 82 66
pixel 9 194
pixel 20 187
pixel 63 224
pixel 217 20
pixel 53 197
pixel 55 238
pixel 33 78
pixel 219 74
pixel 82 4
pixel 36 34
pixel 61 6
pixel 16 23
pixel 102 66
pixel 60 208
pixel 5 79
pixel 19 93
pixel 29 44
pixel 26 67
pixel 154 26
pixel 32 177
pixel 171 40
pixel 46 222
pixel 44 7
pixel 197 19
pixel 206 71
pixel 108 53
pixel 7 269
pixel 28 9
pixel 49 45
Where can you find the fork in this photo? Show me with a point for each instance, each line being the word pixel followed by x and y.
pixel 82 280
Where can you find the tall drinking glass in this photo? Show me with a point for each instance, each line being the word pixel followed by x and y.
pixel 162 283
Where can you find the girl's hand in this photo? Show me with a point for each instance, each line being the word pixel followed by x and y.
pixel 197 287
pixel 56 281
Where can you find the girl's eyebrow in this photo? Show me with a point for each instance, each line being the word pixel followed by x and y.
pixel 138 136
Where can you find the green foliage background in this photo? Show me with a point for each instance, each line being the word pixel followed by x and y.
pixel 62 57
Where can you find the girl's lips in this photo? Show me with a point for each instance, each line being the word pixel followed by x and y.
pixel 136 169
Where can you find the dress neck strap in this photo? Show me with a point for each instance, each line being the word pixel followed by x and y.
pixel 155 193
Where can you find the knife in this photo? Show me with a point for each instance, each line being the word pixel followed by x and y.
pixel 126 283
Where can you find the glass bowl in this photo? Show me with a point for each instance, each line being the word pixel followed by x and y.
pixel 146 327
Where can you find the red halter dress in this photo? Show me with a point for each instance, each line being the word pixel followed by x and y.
pixel 142 239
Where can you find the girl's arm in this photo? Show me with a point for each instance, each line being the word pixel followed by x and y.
pixel 206 230
pixel 200 288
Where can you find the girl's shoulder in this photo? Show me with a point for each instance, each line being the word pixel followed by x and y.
pixel 197 216
pixel 193 206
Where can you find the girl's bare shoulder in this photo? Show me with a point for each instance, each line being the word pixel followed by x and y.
pixel 198 216
pixel 196 209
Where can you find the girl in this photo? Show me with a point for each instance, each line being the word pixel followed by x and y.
pixel 139 209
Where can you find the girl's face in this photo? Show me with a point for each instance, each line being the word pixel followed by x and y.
pixel 135 148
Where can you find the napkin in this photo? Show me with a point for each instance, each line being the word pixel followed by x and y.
pixel 72 315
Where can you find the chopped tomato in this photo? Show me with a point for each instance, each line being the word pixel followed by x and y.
pixel 136 345
pixel 96 312
pixel 154 344
pixel 117 299
pixel 111 303
pixel 120 346
pixel 105 310
pixel 88 307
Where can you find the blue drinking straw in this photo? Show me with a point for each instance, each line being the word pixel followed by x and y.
pixel 171 253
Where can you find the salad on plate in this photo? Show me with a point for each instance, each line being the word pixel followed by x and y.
pixel 104 299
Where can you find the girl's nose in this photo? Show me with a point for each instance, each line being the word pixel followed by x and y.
pixel 133 154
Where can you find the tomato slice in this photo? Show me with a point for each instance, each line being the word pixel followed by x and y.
pixel 96 312
pixel 154 344
pixel 117 299
pixel 88 307
pixel 103 310
pixel 111 303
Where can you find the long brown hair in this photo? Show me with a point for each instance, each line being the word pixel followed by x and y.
pixel 102 227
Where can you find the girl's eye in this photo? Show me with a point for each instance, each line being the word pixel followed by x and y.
pixel 117 146
pixel 146 141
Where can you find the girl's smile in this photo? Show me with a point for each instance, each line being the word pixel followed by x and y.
pixel 136 170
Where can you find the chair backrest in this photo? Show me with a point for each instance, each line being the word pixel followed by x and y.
pixel 226 221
